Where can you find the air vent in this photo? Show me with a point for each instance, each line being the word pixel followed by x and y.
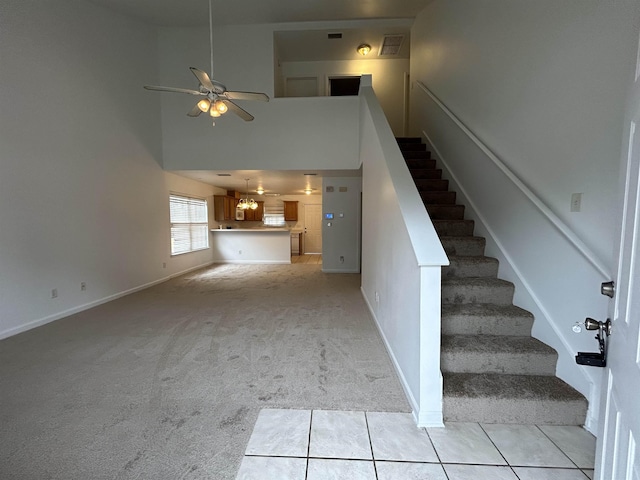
pixel 224 174
pixel 311 174
pixel 391 45
pixel 332 36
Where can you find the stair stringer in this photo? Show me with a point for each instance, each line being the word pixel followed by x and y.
pixel 544 328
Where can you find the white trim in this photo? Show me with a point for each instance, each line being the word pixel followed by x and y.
pixel 562 227
pixel 57 316
pixel 252 262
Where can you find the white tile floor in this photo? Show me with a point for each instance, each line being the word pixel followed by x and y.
pixel 328 445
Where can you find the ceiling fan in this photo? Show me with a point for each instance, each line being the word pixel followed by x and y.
pixel 217 99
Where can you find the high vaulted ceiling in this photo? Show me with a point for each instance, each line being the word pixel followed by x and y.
pixel 236 12
pixel 303 42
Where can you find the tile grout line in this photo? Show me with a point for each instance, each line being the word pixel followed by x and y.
pixel 435 450
pixel 306 470
pixel 373 458
pixel 558 447
pixel 499 451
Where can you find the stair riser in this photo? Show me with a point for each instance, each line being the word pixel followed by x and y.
pixel 432 185
pixel 403 140
pixel 412 147
pixel 465 325
pixel 522 411
pixel 486 269
pixel 491 362
pixel 438 198
pixel 464 246
pixel 420 163
pixel 454 228
pixel 499 295
pixel 426 173
pixel 446 212
pixel 416 154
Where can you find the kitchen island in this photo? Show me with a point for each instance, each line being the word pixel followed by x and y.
pixel 251 245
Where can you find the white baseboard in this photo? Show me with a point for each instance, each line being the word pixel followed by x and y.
pixel 71 311
pixel 252 262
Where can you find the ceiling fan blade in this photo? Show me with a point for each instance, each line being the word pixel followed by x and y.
pixel 173 89
pixel 195 111
pixel 203 78
pixel 243 114
pixel 260 97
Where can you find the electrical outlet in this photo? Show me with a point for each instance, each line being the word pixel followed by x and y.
pixel 83 286
pixel 164 264
pixel 239 252
pixel 54 293
pixel 377 297
pixel 341 259
pixel 576 202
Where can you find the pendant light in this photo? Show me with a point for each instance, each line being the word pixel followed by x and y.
pixel 246 203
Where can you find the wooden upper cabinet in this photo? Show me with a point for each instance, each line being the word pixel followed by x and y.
pixel 290 211
pixel 224 208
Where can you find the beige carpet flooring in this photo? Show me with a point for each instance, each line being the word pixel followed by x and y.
pixel 167 383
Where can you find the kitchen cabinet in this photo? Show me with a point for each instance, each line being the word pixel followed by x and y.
pixel 255 215
pixel 290 211
pixel 224 208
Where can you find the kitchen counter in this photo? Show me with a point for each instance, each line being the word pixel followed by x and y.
pixel 251 245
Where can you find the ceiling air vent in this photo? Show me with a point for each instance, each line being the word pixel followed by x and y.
pixel 391 45
pixel 332 36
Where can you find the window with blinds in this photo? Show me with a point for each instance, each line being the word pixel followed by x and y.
pixel 274 215
pixel 189 224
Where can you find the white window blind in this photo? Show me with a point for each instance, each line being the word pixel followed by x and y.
pixel 273 214
pixel 189 224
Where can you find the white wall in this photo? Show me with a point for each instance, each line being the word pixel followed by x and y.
pixel 82 195
pixel 388 77
pixel 251 247
pixel 542 85
pixel 401 263
pixel 342 238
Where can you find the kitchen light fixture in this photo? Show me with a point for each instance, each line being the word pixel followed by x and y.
pixel 363 49
pixel 260 191
pixel 308 191
pixel 245 203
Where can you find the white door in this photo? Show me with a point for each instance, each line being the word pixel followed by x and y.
pixel 619 436
pixel 312 229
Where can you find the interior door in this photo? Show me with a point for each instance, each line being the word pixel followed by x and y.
pixel 312 228
pixel 618 455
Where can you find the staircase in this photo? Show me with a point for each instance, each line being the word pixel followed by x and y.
pixel 493 370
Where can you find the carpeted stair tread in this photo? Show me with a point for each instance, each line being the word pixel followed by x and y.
pixel 477 290
pixel 499 398
pixel 463 246
pixel 471 266
pixel 493 370
pixel 456 228
pixel 497 354
pixel 485 319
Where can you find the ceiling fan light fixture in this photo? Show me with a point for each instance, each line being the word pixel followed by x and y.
pixel 204 104
pixel 363 49
pixel 308 191
pixel 214 113
pixel 220 106
pixel 260 191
